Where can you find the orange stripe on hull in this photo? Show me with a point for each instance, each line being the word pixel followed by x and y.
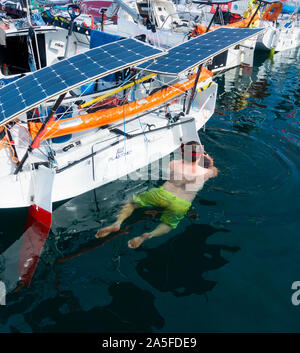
pixel 107 116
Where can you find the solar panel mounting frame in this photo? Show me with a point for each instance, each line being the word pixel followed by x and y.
pixel 71 87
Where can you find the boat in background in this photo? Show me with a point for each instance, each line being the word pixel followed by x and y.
pixel 282 24
pixel 281 19
pixel 162 26
pixel 97 9
pixel 39 44
pixel 217 13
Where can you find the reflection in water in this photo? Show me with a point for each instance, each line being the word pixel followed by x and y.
pixel 250 100
pixel 242 99
pixel 10 230
pixel 243 160
pixel 179 265
pixel 131 310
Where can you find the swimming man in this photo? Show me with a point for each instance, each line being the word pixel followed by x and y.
pixel 175 197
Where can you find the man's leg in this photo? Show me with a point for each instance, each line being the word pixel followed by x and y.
pixel 161 229
pixel 125 212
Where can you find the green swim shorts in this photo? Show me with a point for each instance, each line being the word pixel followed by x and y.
pixel 174 208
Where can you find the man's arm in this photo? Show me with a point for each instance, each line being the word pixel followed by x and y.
pixel 212 171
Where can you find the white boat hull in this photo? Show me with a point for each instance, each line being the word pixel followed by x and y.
pixel 279 39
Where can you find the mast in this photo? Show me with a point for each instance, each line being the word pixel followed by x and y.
pixel 73 15
pixel 256 11
pixel 32 33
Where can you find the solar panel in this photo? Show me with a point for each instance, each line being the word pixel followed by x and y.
pixel 27 92
pixel 189 54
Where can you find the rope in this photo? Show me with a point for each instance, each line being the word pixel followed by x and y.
pixel 11 147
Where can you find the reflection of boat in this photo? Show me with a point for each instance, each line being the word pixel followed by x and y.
pixel 247 100
pixel 38 45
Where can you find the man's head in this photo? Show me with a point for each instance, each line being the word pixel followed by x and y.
pixel 191 151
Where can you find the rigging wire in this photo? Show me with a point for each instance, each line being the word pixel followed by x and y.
pixel 92 105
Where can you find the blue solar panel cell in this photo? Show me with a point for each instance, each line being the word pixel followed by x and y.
pixel 114 51
pixel 60 69
pixel 10 106
pixel 25 83
pixel 44 84
pixel 70 78
pixel 78 60
pixel 10 101
pixel 89 71
pixel 52 85
pixel 98 56
pixel 130 46
pixel 11 90
pixel 30 97
pixel 59 65
pixel 104 54
pixel 41 75
pixel 197 50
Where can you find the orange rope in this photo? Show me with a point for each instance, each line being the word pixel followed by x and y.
pixel 5 142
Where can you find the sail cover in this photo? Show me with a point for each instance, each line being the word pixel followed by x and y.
pixel 189 54
pixel 25 93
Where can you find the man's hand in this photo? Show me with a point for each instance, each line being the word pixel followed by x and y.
pixel 212 170
pixel 209 159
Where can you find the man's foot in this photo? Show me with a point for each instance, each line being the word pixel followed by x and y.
pixel 137 241
pixel 107 230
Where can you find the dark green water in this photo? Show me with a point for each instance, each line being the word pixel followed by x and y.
pixel 229 265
